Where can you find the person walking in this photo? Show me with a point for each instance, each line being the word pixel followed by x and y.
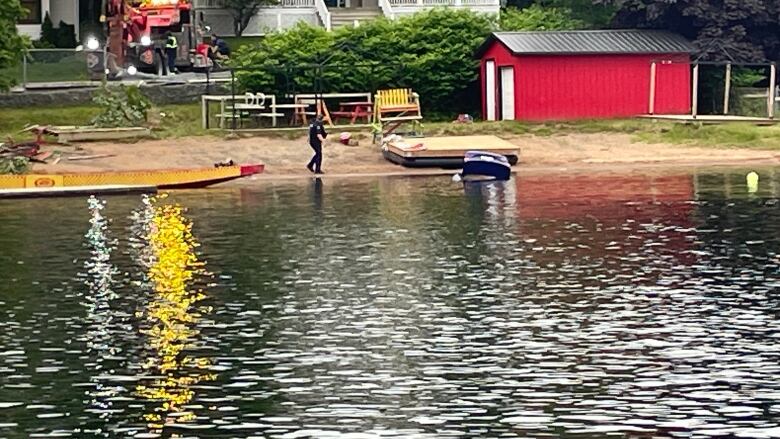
pixel 171 46
pixel 317 135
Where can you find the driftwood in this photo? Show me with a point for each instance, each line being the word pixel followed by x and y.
pixel 91 157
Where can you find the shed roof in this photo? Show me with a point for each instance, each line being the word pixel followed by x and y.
pixel 625 41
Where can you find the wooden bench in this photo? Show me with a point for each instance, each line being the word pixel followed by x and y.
pixel 393 108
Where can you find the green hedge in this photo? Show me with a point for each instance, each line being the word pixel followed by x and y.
pixel 430 52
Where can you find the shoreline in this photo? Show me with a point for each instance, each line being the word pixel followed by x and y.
pixel 285 159
pixel 534 170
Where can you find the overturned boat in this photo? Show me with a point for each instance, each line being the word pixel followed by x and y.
pixel 482 165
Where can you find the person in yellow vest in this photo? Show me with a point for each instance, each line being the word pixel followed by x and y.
pixel 171 45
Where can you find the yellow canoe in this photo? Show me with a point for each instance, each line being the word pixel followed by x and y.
pixel 160 178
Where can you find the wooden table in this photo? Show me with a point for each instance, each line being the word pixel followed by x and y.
pixel 354 110
pixel 322 108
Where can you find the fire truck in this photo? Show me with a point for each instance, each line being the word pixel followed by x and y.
pixel 136 34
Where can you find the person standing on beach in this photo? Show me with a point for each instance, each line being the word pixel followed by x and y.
pixel 317 135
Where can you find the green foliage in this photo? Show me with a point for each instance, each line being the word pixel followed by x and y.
pixel 120 106
pixel 12 45
pixel 243 11
pixel 431 52
pixel 536 18
pixel 723 30
pixel 745 77
pixel 63 37
pixel 14 165
pixel 590 14
pixel 42 44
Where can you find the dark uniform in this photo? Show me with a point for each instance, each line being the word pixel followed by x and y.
pixel 171 46
pixel 315 128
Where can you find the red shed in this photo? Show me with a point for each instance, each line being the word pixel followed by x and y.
pixel 584 74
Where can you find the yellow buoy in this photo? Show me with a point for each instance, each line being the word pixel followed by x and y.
pixel 752 181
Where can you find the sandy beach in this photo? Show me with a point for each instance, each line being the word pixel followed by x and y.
pixel 286 158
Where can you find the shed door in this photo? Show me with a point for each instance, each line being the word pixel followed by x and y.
pixel 507 93
pixel 490 90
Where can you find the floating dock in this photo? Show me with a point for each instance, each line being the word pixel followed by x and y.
pixel 76 191
pixel 446 152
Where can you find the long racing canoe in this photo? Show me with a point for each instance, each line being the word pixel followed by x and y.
pixel 159 178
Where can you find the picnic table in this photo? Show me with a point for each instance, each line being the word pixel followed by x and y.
pixel 236 106
pixel 355 110
pixel 322 107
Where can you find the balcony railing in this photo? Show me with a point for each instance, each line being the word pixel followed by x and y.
pixel 429 3
pixel 219 4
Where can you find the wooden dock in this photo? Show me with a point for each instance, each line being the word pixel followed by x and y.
pixel 67 134
pixel 446 151
pixel 711 118
pixel 76 191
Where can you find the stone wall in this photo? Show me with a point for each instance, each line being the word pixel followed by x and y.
pixel 158 93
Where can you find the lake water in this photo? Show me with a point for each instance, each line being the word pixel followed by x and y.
pixel 570 306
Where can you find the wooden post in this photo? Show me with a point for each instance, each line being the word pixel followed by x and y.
pixel 204 112
pixel 772 87
pixel 651 106
pixel 727 89
pixel 695 98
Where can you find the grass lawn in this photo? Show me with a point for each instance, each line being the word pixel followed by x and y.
pixel 178 120
pixel 51 67
pixel 171 121
pixel 740 135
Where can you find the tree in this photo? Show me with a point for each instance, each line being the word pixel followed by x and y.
pixel 243 11
pixel 536 17
pixel 589 14
pixel 12 45
pixel 739 30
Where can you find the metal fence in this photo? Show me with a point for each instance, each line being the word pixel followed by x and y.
pixel 40 66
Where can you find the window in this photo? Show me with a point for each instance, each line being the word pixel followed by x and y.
pixel 33 15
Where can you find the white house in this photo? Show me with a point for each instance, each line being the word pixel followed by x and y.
pixel 66 11
pixel 326 13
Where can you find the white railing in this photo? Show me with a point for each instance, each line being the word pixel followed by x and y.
pixel 297 3
pixel 323 13
pixel 219 4
pixel 387 9
pixel 427 3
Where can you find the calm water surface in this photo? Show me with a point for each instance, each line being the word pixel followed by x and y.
pixel 574 307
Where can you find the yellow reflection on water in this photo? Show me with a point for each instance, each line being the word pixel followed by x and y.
pixel 173 314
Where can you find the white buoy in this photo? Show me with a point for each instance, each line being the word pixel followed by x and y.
pixel 456 178
pixel 752 181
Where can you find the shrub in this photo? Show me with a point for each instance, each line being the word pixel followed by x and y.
pixel 48 32
pixel 63 37
pixel 14 165
pixel 120 106
pixel 12 45
pixel 66 36
pixel 431 52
